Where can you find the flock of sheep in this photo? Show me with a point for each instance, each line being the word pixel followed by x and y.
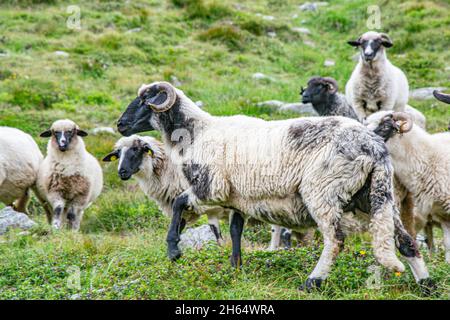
pixel 366 164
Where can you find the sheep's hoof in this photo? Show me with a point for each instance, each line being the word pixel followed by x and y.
pixel 174 254
pixel 236 261
pixel 311 284
pixel 427 286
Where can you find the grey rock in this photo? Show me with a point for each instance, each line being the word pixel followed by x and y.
pixel 10 218
pixel 174 80
pixel 309 43
pixel 103 130
pixel 60 53
pixel 268 18
pixel 133 30
pixel 271 34
pixel 271 103
pixel 312 6
pixel 299 108
pixel 261 76
pixel 196 238
pixel 301 30
pixel 424 93
pixel 329 63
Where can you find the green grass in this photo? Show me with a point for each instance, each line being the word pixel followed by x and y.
pixel 213 47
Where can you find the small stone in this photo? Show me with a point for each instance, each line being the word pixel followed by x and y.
pixel 261 76
pixel 268 18
pixel 103 130
pixel 329 63
pixel 301 30
pixel 424 93
pixel 60 53
pixel 199 104
pixel 271 34
pixel 302 108
pixel 312 6
pixel 197 238
pixel 134 30
pixel 295 16
pixel 10 218
pixel 271 104
pixel 175 81
pixel 75 296
pixel 309 43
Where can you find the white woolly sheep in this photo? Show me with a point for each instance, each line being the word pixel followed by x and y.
pixel 145 159
pixel 422 164
pixel 70 178
pixel 273 170
pixel 376 84
pixel 20 159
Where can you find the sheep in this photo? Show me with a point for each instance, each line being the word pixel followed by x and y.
pixel 69 178
pixel 20 159
pixel 422 164
pixel 322 92
pixel 375 84
pixel 297 173
pixel 158 177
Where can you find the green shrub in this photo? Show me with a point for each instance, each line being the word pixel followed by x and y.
pixel 228 35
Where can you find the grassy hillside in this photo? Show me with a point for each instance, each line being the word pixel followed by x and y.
pixel 213 48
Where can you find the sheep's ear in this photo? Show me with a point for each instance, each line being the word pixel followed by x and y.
pixel 46 134
pixel 81 133
pixel 148 150
pixel 355 43
pixel 386 41
pixel 113 156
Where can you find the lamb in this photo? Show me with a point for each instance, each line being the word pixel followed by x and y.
pixel 158 177
pixel 422 164
pixel 376 84
pixel 297 173
pixel 69 178
pixel 20 159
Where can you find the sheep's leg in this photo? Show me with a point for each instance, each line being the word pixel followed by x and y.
pixel 214 224
pixel 407 214
pixel 47 209
pixel 275 237
pixel 236 228
pixel 429 237
pixel 446 231
pixel 21 205
pixel 58 210
pixel 74 217
pixel 286 236
pixel 333 241
pixel 181 203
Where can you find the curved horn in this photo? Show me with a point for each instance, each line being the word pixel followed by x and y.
pixel 333 84
pixel 164 98
pixel 405 121
pixel 442 96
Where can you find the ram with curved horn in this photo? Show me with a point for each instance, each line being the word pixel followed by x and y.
pixel 273 170
pixel 422 164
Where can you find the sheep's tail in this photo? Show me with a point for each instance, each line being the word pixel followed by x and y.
pixel 383 214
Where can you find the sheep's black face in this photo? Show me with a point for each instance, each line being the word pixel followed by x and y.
pixel 370 49
pixel 63 139
pixel 387 127
pixel 130 162
pixel 316 93
pixel 135 119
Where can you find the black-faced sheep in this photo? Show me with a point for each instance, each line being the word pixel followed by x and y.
pixel 159 178
pixel 70 178
pixel 422 164
pixel 273 170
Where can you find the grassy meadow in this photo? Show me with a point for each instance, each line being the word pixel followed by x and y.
pixel 213 48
